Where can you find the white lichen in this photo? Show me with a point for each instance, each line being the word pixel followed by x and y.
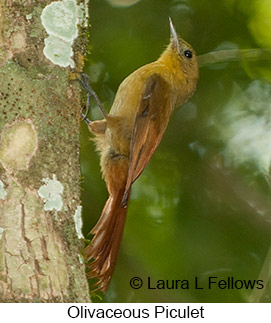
pixel 51 193
pixel 60 20
pixel 3 192
pixel 83 13
pixel 81 259
pixel 78 222
pixel 29 16
pixel 1 232
pixel 58 51
pixel 86 16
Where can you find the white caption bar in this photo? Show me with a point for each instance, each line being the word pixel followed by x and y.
pixel 138 312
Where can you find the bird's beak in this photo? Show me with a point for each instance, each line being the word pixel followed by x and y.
pixel 174 37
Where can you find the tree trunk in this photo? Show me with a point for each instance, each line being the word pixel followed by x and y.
pixel 40 256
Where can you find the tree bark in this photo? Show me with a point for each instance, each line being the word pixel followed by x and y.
pixel 40 258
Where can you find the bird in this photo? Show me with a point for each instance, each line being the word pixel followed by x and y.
pixel 127 137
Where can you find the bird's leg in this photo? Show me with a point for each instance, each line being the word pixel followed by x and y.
pixel 97 126
pixel 84 81
pixel 84 115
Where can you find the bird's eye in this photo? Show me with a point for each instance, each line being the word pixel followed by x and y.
pixel 188 53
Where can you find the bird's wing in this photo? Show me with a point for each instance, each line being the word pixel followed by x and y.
pixel 153 113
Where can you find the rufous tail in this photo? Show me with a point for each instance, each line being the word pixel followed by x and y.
pixel 104 247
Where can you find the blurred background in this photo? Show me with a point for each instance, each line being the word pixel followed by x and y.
pixel 202 206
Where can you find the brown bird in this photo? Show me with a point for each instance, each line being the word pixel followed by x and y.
pixel 127 137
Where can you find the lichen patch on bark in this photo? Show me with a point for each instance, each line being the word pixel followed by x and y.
pixel 18 144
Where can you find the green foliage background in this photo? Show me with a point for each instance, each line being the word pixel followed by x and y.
pixel 202 206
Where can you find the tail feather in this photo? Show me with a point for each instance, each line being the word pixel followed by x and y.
pixel 105 244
